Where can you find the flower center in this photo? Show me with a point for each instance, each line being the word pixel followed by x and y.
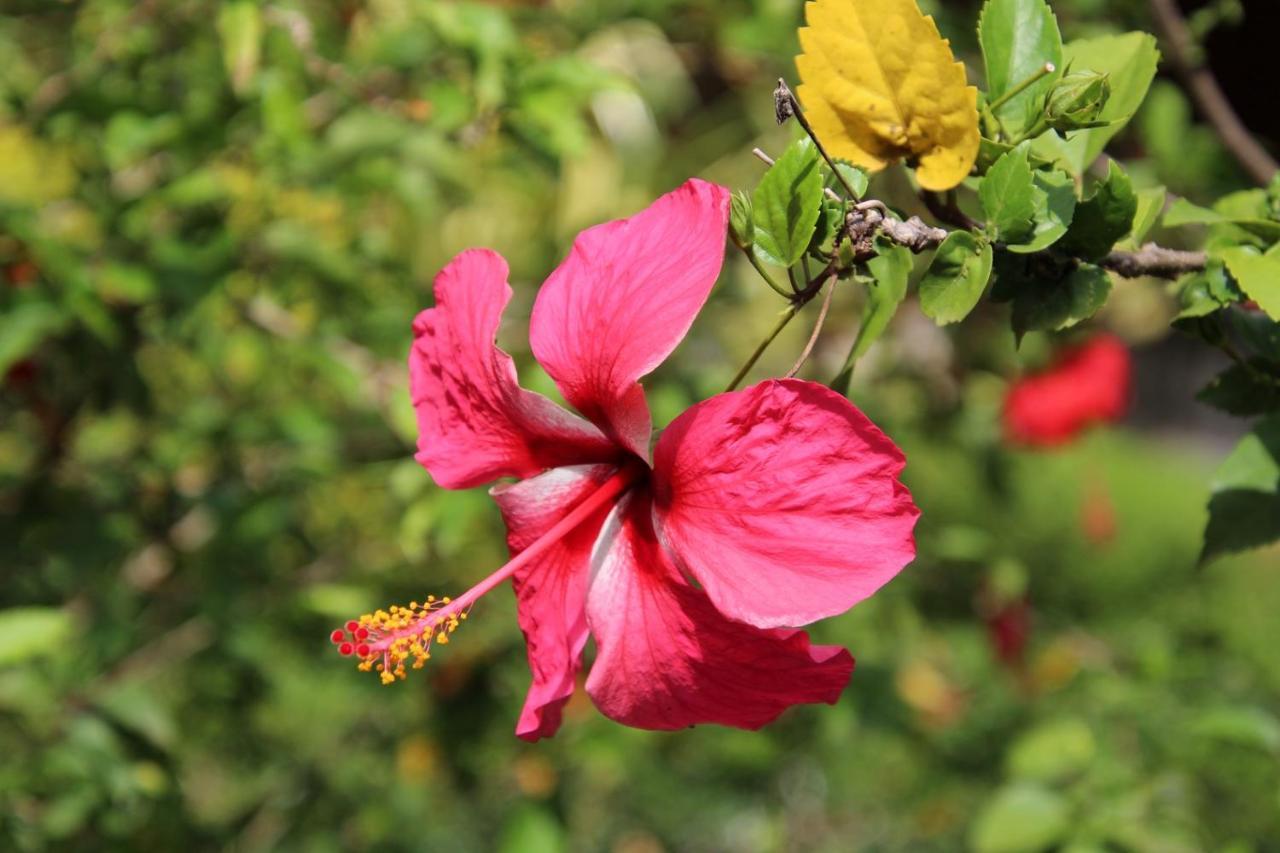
pixel 394 639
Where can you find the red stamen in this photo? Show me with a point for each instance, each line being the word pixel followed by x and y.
pixel 352 625
pixel 337 636
pixel 346 649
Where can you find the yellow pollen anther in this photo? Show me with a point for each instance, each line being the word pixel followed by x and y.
pixel 394 639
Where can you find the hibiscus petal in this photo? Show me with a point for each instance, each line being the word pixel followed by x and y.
pixel 551 591
pixel 783 502
pixel 668 659
pixel 623 300
pixel 475 422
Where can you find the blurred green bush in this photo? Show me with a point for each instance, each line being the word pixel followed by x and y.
pixel 216 223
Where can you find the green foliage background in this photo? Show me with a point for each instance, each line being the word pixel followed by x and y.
pixel 216 224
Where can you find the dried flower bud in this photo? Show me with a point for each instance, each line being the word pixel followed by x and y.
pixel 784 106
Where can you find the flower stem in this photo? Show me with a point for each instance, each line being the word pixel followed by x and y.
pixel 759 351
pixel 1041 72
pixel 764 274
pixel 817 329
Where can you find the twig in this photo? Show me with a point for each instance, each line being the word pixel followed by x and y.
pixel 787 314
pixel 769 161
pixel 1208 95
pixel 1035 77
pixel 786 106
pixel 1156 261
pixel 817 328
pixel 947 210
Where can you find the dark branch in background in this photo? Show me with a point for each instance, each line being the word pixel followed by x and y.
pixel 1208 95
pixel 947 209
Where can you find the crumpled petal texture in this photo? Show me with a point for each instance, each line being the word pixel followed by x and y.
pixel 622 301
pixel 475 422
pixel 783 502
pixel 879 84
pixel 667 659
pixel 1087 384
pixel 551 592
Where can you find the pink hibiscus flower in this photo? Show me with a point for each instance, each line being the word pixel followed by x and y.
pixel 761 510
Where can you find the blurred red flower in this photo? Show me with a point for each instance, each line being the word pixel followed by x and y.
pixel 1086 384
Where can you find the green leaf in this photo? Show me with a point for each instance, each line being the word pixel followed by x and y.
pixel 1258 332
pixel 1244 511
pixel 24 327
pixel 890 270
pixel 1103 218
pixel 240 26
pixel 1150 206
pixel 829 221
pixel 956 277
pixel 1056 206
pixel 1244 390
pixel 1245 726
pixel 856 178
pixel 532 829
pixel 741 229
pixel 1018 37
pixel 1056 305
pixel 1052 751
pixel 1205 292
pixel 1183 212
pixel 1010 197
pixel 1258 275
pixel 1020 819
pixel 26 632
pixel 786 204
pixel 1130 61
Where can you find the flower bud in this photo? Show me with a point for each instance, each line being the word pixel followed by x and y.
pixel 1077 100
pixel 741 229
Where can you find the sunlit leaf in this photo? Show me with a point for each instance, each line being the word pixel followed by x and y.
pixel 786 204
pixel 1052 751
pixel 1183 212
pixel 26 632
pixel 1020 819
pixel 1010 198
pixel 1130 61
pixel 22 329
pixel 1018 37
pixel 1150 206
pixel 1056 207
pixel 1258 275
pixel 956 277
pixel 240 25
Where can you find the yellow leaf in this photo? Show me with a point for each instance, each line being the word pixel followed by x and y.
pixel 879 84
